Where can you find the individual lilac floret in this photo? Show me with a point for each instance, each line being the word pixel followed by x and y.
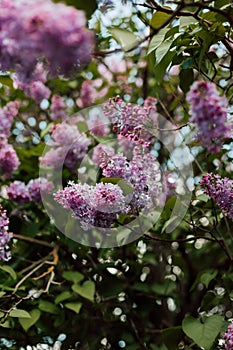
pixel 9 161
pixel 70 147
pixel 220 190
pixel 228 336
pixel 5 236
pixel 7 113
pixel 55 32
pixel 137 123
pixel 93 205
pixel 21 193
pixel 209 114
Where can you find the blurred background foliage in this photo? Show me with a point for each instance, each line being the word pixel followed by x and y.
pixel 164 291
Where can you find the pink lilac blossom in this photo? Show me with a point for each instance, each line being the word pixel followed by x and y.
pixel 55 33
pixel 102 152
pixel 98 127
pixel 57 108
pixel 21 193
pixel 38 91
pixel 209 114
pixel 137 123
pixel 5 236
pixel 93 205
pixel 70 147
pixel 7 113
pixel 18 192
pixel 9 161
pixel 142 173
pixel 220 190
pixel 88 93
pixel 228 337
pixel 36 87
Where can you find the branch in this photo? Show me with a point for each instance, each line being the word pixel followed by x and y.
pixel 182 240
pixel 32 240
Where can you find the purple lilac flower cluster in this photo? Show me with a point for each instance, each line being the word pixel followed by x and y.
pixel 102 152
pixel 69 148
pixel 136 123
pixel 228 336
pixel 5 236
pixel 55 33
pixel 209 113
pixel 220 190
pixel 57 108
pixel 93 205
pixel 21 193
pixel 9 160
pixel 36 87
pixel 141 173
pixel 7 113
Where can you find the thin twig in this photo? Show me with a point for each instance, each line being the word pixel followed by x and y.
pixel 32 240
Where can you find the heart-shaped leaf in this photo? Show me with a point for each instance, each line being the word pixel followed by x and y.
pixel 87 290
pixel 76 307
pixel 20 313
pixel 27 323
pixel 203 334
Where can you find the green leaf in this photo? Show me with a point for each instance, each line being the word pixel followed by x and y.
pixel 9 270
pixel 207 277
pixel 82 126
pixel 165 288
pixel 73 276
pixel 187 20
pixel 6 80
pixel 172 337
pixel 158 19
pixel 186 79
pixel 160 68
pixel 47 306
pixel 76 307
pixel 157 40
pixel 63 296
pixel 87 290
pixel 126 39
pixel 203 334
pixel 19 313
pixel 162 50
pixel 27 323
